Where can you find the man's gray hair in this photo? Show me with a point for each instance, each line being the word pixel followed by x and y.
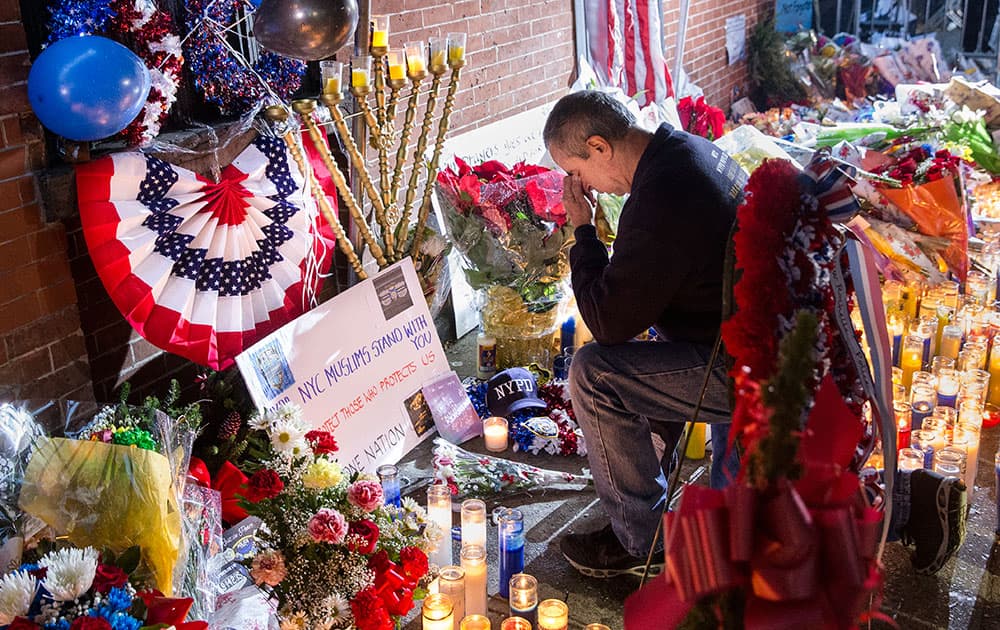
pixel 583 114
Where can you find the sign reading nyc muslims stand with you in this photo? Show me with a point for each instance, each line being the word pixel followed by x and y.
pixel 356 365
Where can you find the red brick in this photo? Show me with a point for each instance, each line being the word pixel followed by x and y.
pixel 10 10
pixel 21 311
pixel 14 68
pixel 27 191
pixel 67 350
pixel 12 127
pixel 14 99
pixel 57 297
pixel 48 241
pixel 14 254
pixel 12 38
pixel 10 197
pixel 34 364
pixel 13 162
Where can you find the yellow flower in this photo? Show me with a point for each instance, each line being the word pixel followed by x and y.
pixel 322 474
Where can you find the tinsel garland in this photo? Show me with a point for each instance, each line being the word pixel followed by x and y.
pixel 220 77
pixel 553 430
pixel 145 29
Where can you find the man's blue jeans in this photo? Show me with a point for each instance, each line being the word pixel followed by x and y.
pixel 623 394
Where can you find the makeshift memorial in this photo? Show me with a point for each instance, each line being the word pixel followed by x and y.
pixel 333 553
pixel 72 588
pixel 472 474
pixel 510 227
pixel 204 269
pixel 143 26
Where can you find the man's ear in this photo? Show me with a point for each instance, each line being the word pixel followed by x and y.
pixel 599 146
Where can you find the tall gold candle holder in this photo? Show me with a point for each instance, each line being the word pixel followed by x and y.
pixel 279 119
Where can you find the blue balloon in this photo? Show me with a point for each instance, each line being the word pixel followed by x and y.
pixel 87 88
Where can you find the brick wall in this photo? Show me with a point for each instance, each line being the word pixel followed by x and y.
pixel 42 353
pixel 705 46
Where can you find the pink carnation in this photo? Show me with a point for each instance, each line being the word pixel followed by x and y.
pixel 365 494
pixel 328 526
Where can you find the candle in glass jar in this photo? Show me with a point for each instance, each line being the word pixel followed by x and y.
pixel 993 393
pixel 510 532
pixel 330 71
pixel 951 341
pixel 495 434
pixel 439 513
pixel 451 582
pixel 475 622
pixel 969 436
pixel 474 565
pixel 896 327
pixel 416 60
pixel 456 49
pixel 380 33
pixel 910 459
pixel 473 522
pixel 397 70
pixel 553 615
pixel 911 357
pixel 361 67
pixel 515 623
pixel 524 597
pixel 922 399
pixel 902 413
pixel 437 612
pixel 439 50
pixel 388 476
pixel 947 387
pixel 596 626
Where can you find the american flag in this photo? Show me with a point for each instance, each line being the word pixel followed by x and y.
pixel 199 268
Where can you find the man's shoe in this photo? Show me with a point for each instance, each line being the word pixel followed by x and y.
pixel 937 519
pixel 599 554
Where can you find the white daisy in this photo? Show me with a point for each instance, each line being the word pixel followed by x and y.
pixel 17 591
pixel 288 437
pixel 70 572
pixel 261 421
pixel 337 608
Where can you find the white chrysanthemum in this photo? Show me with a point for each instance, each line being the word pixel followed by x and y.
pixel 288 437
pixel 17 591
pixel 289 412
pixel 261 421
pixel 410 505
pixel 337 608
pixel 70 572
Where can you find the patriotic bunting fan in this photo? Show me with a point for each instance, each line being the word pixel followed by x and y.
pixel 204 269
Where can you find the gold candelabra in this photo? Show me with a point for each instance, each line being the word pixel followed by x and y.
pixel 386 231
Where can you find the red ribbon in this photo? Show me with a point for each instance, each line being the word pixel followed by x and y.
pixel 229 481
pixel 169 611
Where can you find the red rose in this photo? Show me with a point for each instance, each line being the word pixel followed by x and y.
pixel 20 623
pixel 264 484
pixel 400 602
pixel 491 170
pixel 109 576
pixel 414 562
pixel 322 442
pixel 362 536
pixel 379 563
pixel 90 623
pixel 369 611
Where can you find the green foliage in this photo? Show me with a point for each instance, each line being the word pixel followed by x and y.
pixel 768 68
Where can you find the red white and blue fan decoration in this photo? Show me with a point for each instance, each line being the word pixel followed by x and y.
pixel 204 269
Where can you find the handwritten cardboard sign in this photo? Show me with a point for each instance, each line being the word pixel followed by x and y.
pixel 355 365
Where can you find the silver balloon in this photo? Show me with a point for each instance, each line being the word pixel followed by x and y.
pixel 305 29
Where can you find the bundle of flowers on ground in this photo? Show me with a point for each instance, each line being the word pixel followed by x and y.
pixel 510 226
pixel 81 589
pixel 331 552
pixel 700 118
pixel 470 474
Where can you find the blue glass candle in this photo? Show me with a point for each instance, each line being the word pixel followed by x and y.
pixel 510 531
pixel 388 475
pixel 524 597
pixel 923 441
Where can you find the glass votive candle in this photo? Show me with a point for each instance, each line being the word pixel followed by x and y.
pixel 416 60
pixel 439 54
pixel 897 376
pixel 977 286
pixel 939 362
pixel 474 565
pixel 922 402
pixel 924 378
pixel 388 476
pixel 957 452
pixel 951 341
pixel 923 441
pixel 981 378
pixel 451 582
pixel 473 522
pixel 456 49
pixel 495 434
pixel 968 437
pixel 902 413
pixel 437 612
pixel 553 614
pixel 596 626
pixel 937 427
pixel 361 70
pixel 397 68
pixel 439 513
pixel 947 386
pixel 971 357
pixel 331 72
pixel 911 358
pixel 515 623
pixel 910 459
pixel 899 392
pixel 380 34
pixel 970 412
pixel 475 622
pixel 524 596
pixel 510 542
pixel 948 464
pixel 926 330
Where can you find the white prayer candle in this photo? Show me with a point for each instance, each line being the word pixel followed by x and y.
pixel 553 615
pixel 451 582
pixel 437 612
pixel 495 434
pixel 473 522
pixel 439 513
pixel 474 565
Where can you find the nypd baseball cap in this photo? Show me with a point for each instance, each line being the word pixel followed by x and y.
pixel 512 390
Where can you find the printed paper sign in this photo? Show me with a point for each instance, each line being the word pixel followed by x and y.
pixel 355 365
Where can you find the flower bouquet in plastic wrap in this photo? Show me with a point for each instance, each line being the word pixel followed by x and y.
pixel 113 483
pixel 510 226
pixel 330 551
pixel 83 589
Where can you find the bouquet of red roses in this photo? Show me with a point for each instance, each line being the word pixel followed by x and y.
pixel 700 118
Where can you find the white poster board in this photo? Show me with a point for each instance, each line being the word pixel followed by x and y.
pixel 511 140
pixel 355 365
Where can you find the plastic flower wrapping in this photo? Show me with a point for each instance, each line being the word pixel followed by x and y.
pixel 82 589
pixel 112 480
pixel 470 474
pixel 331 552
pixel 700 118
pixel 510 227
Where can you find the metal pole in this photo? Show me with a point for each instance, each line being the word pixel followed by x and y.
pixel 857 18
pixel 358 128
pixel 836 29
pixel 580 34
pixel 679 50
